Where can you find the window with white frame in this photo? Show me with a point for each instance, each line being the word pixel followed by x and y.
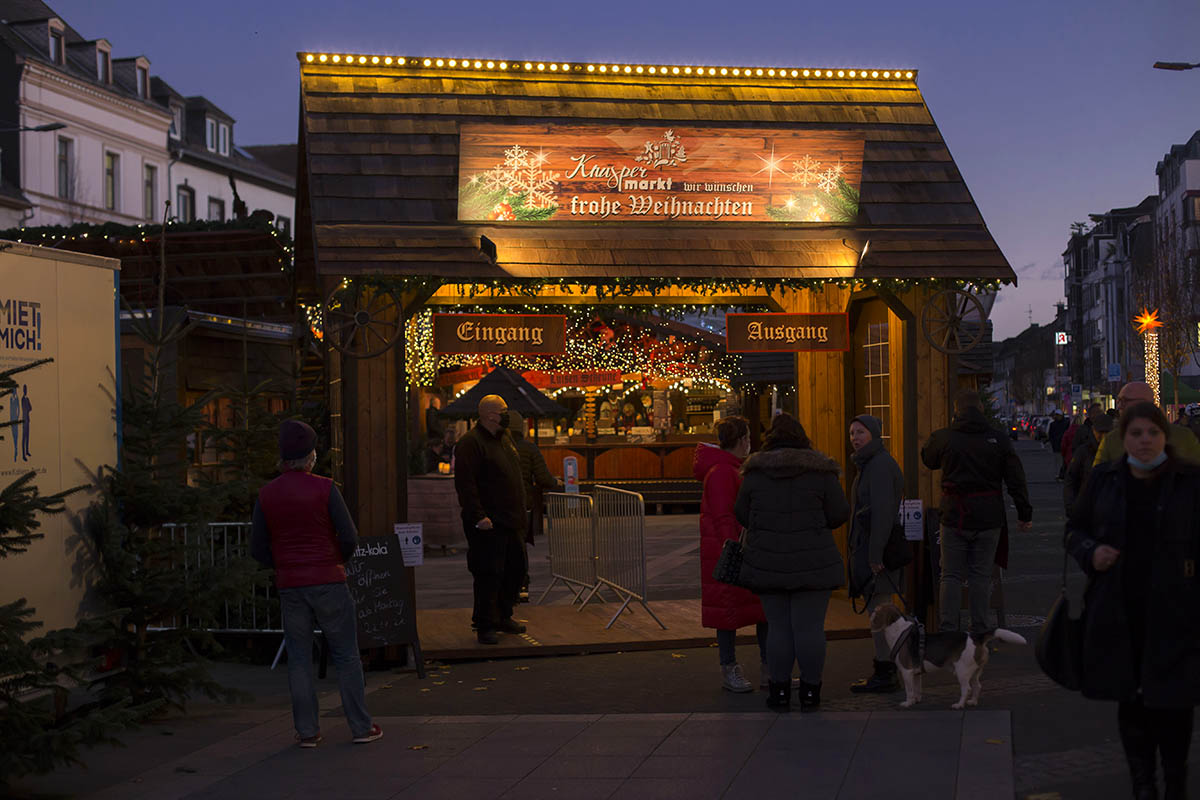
pixel 210 134
pixel 103 65
pixel 185 203
pixel 150 190
pixel 176 130
pixel 143 82
pixel 216 209
pixel 112 181
pixel 223 139
pixel 65 163
pixel 58 53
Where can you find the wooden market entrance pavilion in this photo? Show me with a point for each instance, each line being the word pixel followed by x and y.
pixel 397 189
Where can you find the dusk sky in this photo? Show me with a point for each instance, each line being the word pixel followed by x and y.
pixel 1051 109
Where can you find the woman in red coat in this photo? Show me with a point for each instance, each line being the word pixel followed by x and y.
pixel 723 606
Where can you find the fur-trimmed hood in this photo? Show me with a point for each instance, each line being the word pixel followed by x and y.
pixel 786 462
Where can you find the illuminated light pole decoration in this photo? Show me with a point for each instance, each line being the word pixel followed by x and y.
pixel 1147 322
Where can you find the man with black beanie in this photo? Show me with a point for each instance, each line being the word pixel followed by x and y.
pixel 491 493
pixel 302 529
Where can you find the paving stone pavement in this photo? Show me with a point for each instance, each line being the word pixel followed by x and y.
pixel 850 755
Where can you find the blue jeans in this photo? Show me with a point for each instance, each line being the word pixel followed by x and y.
pixel 967 556
pixel 330 606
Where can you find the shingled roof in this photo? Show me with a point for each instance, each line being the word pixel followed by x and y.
pixel 380 142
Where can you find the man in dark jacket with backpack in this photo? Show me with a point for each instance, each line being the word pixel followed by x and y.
pixel 976 461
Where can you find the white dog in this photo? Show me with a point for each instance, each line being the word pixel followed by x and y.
pixel 965 653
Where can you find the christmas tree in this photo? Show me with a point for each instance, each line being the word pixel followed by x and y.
pixel 170 574
pixel 39 728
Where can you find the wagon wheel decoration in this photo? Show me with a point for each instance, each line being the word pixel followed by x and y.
pixel 360 320
pixel 953 321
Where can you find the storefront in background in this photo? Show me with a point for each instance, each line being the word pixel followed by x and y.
pixel 824 203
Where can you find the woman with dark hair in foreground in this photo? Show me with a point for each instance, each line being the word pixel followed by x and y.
pixel 1135 531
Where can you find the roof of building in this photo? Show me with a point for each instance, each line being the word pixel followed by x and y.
pixel 380 139
pixel 240 268
pixel 1187 151
pixel 279 157
pixel 26 38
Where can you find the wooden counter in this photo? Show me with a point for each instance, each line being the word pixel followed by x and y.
pixel 433 502
pixel 661 471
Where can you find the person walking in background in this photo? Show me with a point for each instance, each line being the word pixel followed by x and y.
pixel 1055 433
pixel 1183 442
pixel 302 529
pixel 435 426
pixel 1134 532
pixel 1068 440
pixel 722 605
pixel 789 502
pixel 875 499
pixel 537 480
pixel 487 478
pixel 976 462
pixel 1087 441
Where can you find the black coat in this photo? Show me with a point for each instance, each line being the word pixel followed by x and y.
pixel 976 461
pixel 1055 432
pixel 789 502
pixel 487 476
pixel 876 494
pixel 1170 659
pixel 1083 453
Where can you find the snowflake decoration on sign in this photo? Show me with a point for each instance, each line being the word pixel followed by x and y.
pixel 522 173
pixel 828 180
pixel 806 170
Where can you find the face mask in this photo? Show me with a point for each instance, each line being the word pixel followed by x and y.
pixel 504 419
pixel 1148 465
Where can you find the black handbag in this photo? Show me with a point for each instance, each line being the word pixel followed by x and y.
pixel 1059 645
pixel 897 553
pixel 729 564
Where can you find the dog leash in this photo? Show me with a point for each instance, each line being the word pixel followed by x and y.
pixel 915 626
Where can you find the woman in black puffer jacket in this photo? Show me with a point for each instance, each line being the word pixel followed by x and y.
pixel 789 502
pixel 1134 532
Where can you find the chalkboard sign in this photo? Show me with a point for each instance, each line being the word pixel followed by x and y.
pixel 382 587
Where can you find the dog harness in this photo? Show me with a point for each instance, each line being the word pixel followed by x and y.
pixel 915 644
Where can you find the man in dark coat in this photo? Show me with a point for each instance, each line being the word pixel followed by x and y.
pixel 976 462
pixel 1055 433
pixel 1087 441
pixel 536 478
pixel 487 477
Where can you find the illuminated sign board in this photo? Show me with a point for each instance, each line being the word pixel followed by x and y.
pixel 607 173
pixel 1060 337
pixel 787 333
pixel 520 334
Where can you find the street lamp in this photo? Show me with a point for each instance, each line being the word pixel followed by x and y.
pixel 49 126
pixel 1177 66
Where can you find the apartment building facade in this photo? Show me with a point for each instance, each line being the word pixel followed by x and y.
pixel 123 141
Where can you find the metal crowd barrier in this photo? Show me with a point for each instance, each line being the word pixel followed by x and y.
pixel 621 547
pixel 571 535
pixel 223 540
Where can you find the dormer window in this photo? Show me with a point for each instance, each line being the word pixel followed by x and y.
pixel 57 54
pixel 103 65
pixel 210 134
pixel 143 82
pixel 223 139
pixel 58 43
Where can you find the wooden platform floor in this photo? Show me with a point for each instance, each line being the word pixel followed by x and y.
pixel 559 629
